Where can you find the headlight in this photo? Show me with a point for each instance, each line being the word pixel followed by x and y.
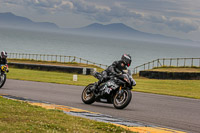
pixel 127 80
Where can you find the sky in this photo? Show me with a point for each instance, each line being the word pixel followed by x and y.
pixel 178 18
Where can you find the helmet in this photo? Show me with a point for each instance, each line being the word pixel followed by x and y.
pixel 3 54
pixel 126 58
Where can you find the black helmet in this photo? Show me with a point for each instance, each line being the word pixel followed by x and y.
pixel 3 54
pixel 126 58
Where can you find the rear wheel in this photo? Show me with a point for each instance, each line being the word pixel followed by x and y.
pixel 2 80
pixel 122 101
pixel 88 98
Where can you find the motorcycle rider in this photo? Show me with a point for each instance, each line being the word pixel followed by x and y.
pixel 116 68
pixel 3 59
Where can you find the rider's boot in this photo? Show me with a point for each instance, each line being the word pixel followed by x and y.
pixel 94 88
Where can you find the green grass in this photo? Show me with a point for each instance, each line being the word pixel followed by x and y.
pixel 182 88
pixel 176 69
pixel 50 77
pixel 21 117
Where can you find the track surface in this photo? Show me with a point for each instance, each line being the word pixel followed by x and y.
pixel 159 110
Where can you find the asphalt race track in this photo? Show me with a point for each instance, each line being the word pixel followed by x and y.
pixel 159 110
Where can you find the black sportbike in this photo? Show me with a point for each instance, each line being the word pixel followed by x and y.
pixel 117 90
pixel 3 71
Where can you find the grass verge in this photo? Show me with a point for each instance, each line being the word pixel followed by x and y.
pixel 49 76
pixel 21 117
pixel 183 88
pixel 177 69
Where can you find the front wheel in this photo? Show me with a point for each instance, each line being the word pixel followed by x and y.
pixel 122 101
pixel 2 80
pixel 88 98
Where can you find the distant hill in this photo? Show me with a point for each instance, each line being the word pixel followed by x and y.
pixel 110 27
pixel 10 20
pixel 121 30
pixel 116 30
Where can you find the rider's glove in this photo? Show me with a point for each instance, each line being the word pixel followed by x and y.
pixel 7 70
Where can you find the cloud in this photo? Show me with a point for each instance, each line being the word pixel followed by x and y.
pixel 175 23
pixel 66 5
pixel 156 18
pixel 118 11
pixel 41 4
pixel 173 14
pixel 103 13
pixel 182 24
pixel 12 1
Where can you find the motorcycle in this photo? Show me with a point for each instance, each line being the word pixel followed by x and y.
pixel 116 91
pixel 4 69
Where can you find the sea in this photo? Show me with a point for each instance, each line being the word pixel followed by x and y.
pixel 103 50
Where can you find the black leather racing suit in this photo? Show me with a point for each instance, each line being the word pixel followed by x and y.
pixel 114 69
pixel 3 61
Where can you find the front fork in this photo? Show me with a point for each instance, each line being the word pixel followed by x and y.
pixel 120 92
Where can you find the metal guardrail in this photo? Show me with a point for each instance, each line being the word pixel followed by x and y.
pixel 169 62
pixel 57 58
pixel 42 67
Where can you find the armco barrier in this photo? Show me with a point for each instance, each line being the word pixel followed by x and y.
pixel 168 62
pixel 69 69
pixel 56 58
pixel 170 75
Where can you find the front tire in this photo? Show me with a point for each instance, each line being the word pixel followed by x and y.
pixel 122 101
pixel 2 80
pixel 88 98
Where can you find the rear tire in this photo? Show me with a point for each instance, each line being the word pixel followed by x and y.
pixel 2 80
pixel 123 101
pixel 88 98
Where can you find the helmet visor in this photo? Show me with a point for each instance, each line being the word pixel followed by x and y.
pixel 128 62
pixel 4 56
